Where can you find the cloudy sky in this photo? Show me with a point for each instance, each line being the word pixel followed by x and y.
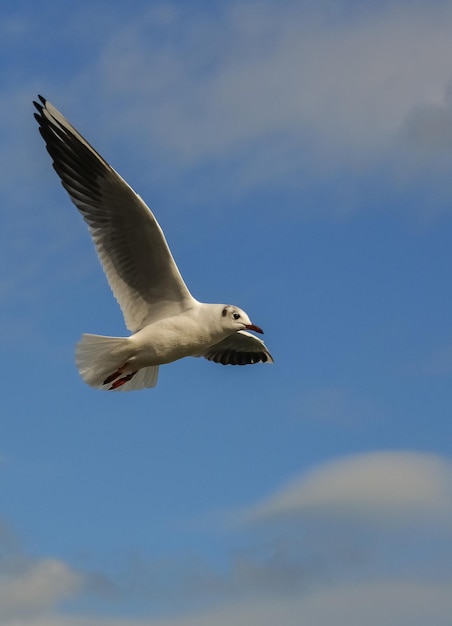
pixel 298 156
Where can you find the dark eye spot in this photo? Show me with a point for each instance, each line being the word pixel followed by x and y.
pixel 236 316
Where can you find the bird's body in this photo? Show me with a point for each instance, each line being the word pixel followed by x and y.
pixel 178 336
pixel 166 321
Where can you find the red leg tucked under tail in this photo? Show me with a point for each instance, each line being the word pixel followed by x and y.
pixel 111 378
pixel 120 381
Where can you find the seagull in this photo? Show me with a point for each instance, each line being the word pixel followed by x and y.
pixel 167 323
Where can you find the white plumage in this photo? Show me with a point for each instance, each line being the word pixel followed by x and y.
pixel 167 323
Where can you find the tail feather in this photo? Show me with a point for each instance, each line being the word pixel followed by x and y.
pixel 145 377
pixel 97 357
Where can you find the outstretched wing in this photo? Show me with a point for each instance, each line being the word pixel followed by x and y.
pixel 129 241
pixel 240 348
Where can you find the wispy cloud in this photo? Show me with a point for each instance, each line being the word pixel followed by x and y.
pixel 386 486
pixel 272 93
pixel 326 571
pixel 330 86
pixel 395 602
pixel 30 589
pixel 261 96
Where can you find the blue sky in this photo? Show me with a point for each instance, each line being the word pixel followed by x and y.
pixel 298 158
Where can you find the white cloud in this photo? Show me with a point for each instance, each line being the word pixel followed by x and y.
pixel 36 587
pixel 261 589
pixel 272 92
pixel 394 603
pixel 281 79
pixel 384 486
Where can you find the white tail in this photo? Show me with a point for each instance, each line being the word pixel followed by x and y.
pixel 98 357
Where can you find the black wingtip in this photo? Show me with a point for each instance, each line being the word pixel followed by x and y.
pixel 40 105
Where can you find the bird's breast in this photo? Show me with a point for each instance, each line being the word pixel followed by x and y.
pixel 171 339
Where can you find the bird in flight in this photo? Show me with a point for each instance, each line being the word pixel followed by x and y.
pixel 166 321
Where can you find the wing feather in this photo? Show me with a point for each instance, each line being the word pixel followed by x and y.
pixel 130 244
pixel 241 348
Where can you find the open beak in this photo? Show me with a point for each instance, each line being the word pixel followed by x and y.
pixel 255 328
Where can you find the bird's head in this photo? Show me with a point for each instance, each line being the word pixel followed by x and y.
pixel 236 319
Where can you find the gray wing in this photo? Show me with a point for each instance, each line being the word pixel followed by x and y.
pixel 129 241
pixel 240 348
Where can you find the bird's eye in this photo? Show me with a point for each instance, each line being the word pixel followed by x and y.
pixel 236 316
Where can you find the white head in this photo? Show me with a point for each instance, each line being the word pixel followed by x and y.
pixel 236 319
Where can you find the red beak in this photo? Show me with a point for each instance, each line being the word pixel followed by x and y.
pixel 255 328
